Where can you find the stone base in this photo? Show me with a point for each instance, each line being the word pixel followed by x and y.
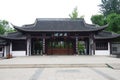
pixel 118 56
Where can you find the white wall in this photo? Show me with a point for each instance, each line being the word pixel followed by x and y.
pixel 103 52
pixel 1 53
pixel 18 53
pixel 117 46
pixel 6 50
pixel 28 47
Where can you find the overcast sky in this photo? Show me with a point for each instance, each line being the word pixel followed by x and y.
pixel 20 12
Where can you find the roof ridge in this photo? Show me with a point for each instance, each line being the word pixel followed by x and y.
pixel 58 19
pixel 110 32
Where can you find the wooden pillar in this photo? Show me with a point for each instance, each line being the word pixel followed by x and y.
pixel 91 41
pixel 87 46
pixel 76 45
pixel 110 43
pixel 52 41
pixel 90 47
pixel 43 46
pixel 10 48
pixel 46 46
pixel 28 46
pixel 6 50
pixel 94 47
pixel 43 50
pixel 3 51
pixel 68 46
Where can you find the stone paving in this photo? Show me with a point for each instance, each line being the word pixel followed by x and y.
pixel 61 60
pixel 114 66
pixel 60 73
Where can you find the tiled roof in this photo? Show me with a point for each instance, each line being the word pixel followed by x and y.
pixel 59 25
pixel 106 35
pixel 2 42
pixel 100 35
pixel 14 35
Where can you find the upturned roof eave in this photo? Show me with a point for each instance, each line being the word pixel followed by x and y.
pixel 7 38
pixel 112 37
pixel 10 38
pixel 94 30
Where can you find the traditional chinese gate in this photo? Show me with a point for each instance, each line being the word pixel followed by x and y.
pixel 60 47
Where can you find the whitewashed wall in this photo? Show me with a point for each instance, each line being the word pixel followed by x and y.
pixel 6 50
pixel 1 53
pixel 103 52
pixel 116 45
pixel 17 53
pixel 28 47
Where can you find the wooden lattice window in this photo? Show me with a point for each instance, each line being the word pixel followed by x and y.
pixel 101 45
pixel 19 45
pixel 1 48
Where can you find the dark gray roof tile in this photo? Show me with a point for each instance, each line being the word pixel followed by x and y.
pixel 106 35
pixel 14 35
pixel 58 25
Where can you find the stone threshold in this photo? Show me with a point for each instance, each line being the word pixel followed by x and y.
pixel 51 65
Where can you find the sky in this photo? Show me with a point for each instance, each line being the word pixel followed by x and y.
pixel 20 12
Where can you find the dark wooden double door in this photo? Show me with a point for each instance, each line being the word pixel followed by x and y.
pixel 53 47
pixel 60 47
pixel 36 46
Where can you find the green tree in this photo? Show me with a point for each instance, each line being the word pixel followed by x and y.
pixel 99 20
pixel 74 14
pixel 110 6
pixel 80 48
pixel 2 30
pixel 5 27
pixel 112 19
pixel 111 15
pixel 114 22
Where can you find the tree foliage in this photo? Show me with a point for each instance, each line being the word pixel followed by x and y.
pixel 110 15
pixel 114 22
pixel 110 6
pixel 112 19
pixel 3 24
pixel 74 14
pixel 5 27
pixel 99 20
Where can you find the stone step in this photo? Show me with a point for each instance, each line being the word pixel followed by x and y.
pixel 50 65
pixel 114 66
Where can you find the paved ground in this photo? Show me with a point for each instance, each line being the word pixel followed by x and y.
pixel 61 60
pixel 64 73
pixel 59 74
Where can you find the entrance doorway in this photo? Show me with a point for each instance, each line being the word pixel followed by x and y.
pixel 60 47
pixel 83 47
pixel 36 46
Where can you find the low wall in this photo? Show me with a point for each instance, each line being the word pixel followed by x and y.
pixel 102 52
pixel 18 53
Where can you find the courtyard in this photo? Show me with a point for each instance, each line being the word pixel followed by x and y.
pixel 60 68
